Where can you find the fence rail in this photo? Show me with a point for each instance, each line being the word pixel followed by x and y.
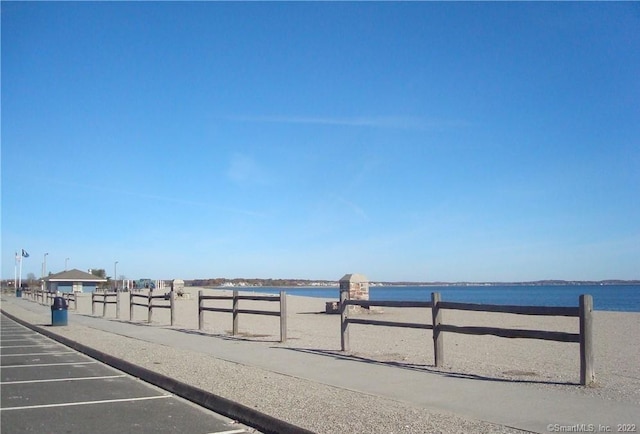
pixel 71 297
pixel 107 298
pixel 150 305
pixel 46 298
pixel 39 295
pixel 236 311
pixel 520 310
pixel 583 312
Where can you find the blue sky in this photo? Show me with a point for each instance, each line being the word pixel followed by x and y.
pixel 403 141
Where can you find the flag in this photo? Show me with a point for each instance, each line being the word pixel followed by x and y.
pixel 24 253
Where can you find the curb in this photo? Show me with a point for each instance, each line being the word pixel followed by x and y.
pixel 218 404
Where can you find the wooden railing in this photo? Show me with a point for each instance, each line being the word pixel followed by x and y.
pixel 107 298
pixel 46 297
pixel 236 311
pixel 34 294
pixel 150 305
pixel 583 312
pixel 71 297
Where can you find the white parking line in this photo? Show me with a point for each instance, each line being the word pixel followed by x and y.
pixel 235 431
pixel 30 346
pixel 38 365
pixel 70 404
pixel 38 354
pixel 51 380
pixel 19 335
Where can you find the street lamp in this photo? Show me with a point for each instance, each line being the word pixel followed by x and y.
pixel 66 261
pixel 115 279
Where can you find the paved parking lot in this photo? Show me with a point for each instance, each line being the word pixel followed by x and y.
pixel 47 387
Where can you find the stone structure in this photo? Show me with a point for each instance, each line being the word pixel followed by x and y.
pixel 357 286
pixel 177 286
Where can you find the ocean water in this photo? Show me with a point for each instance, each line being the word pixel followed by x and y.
pixel 625 298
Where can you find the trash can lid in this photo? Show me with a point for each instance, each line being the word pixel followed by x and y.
pixel 59 303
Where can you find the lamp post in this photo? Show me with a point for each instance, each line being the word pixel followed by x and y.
pixel 44 266
pixel 66 261
pixel 115 273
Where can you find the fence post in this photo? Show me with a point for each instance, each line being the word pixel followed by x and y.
pixel 93 303
pixel 587 376
pixel 436 315
pixel 130 305
pixel 172 302
pixel 234 330
pixel 150 302
pixel 344 320
pixel 200 311
pixel 118 304
pixel 283 316
pixel 104 304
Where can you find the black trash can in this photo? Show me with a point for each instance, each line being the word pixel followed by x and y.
pixel 18 293
pixel 59 312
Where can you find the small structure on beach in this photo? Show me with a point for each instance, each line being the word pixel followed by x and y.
pixel 357 285
pixel 177 286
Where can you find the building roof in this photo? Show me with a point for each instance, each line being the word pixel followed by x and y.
pixel 73 276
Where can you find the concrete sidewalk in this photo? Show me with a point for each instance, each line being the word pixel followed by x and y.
pixel 521 406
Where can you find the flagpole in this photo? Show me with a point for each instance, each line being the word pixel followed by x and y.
pixel 20 280
pixel 15 272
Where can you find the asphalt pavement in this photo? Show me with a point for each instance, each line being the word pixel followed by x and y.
pixel 47 387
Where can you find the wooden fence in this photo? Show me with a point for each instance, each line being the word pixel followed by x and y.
pixel 46 298
pixel 150 305
pixel 107 298
pixel 39 295
pixel 236 311
pixel 583 312
pixel 71 297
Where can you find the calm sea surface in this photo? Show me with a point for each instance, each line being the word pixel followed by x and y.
pixel 605 297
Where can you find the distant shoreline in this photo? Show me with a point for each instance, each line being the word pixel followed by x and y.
pixel 293 283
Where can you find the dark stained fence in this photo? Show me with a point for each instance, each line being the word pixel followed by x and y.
pixel 105 298
pixel 162 301
pixel 583 312
pixel 71 297
pixel 46 297
pixel 236 311
pixel 39 295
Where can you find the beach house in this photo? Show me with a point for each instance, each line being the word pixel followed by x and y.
pixel 72 281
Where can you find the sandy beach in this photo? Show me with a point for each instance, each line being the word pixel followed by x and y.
pixel 532 363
